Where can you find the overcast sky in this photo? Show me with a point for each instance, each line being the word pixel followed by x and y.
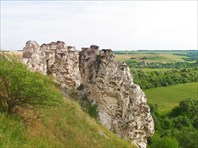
pixel 129 25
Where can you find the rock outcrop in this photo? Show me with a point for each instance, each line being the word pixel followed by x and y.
pixel 55 59
pixel 121 103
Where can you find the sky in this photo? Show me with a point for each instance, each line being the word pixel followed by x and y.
pixel 116 25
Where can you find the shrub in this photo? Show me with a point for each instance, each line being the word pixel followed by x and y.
pixel 19 86
pixel 186 113
pixel 93 110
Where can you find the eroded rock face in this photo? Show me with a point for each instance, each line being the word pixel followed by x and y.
pixel 122 104
pixel 56 59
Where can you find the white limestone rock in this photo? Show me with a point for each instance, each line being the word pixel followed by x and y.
pixel 122 104
pixel 56 59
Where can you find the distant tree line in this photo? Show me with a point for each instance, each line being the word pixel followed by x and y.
pixel 134 64
pixel 152 79
pixel 192 55
pixel 176 52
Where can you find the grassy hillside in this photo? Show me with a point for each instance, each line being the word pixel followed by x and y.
pixel 169 97
pixel 65 125
pixel 34 113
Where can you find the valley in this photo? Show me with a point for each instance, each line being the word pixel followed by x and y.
pixel 170 82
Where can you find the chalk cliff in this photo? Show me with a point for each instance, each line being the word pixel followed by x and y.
pixel 107 83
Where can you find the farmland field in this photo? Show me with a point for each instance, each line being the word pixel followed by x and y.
pixel 151 57
pixel 168 97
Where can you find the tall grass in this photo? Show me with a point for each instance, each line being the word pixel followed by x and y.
pixel 75 128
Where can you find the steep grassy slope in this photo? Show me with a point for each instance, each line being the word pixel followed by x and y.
pixel 13 133
pixel 58 122
pixel 169 97
pixel 64 125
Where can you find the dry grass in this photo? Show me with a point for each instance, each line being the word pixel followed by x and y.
pixel 16 54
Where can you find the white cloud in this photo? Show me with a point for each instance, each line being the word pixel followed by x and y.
pixel 116 25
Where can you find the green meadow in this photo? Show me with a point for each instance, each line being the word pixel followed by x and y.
pixel 168 97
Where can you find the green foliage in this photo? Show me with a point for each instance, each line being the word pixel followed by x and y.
pixel 186 113
pixel 156 65
pixel 152 79
pixel 166 123
pixel 181 122
pixel 165 142
pixel 177 127
pixel 192 55
pixel 187 107
pixel 187 137
pixel 155 114
pixel 82 99
pixel 19 86
pixel 93 110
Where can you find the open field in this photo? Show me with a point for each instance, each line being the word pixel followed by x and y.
pixel 168 97
pixel 151 57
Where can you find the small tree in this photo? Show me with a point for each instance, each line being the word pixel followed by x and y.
pixel 19 86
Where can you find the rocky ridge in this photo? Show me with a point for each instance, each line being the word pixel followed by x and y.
pixel 121 103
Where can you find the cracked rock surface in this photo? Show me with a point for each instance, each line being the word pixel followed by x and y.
pixel 122 104
pixel 55 59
